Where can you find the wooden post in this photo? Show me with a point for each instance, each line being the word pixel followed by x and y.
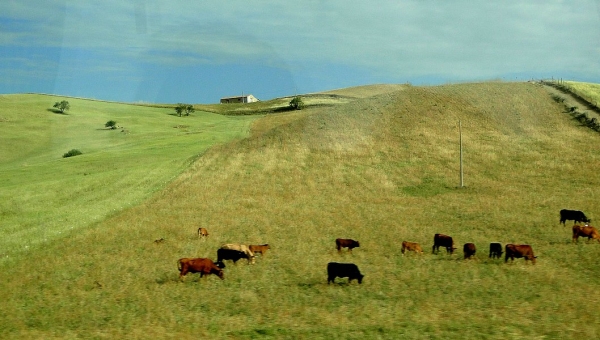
pixel 462 184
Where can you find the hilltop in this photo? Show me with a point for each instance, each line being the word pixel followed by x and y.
pixel 376 164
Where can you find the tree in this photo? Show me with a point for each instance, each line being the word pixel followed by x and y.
pixel 62 106
pixel 296 103
pixel 181 108
pixel 111 124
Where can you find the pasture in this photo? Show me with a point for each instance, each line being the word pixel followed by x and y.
pixel 379 168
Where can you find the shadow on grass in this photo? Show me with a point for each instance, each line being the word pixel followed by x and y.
pixel 57 111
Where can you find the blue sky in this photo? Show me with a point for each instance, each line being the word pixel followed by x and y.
pixel 199 51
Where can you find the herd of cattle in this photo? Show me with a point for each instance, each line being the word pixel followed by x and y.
pixel 235 252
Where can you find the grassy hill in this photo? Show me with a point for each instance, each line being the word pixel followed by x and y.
pixel 378 167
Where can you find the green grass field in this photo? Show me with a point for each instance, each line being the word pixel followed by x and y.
pixel 379 168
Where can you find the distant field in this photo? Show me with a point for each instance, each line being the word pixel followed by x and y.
pixel 589 91
pixel 44 196
pixel 378 166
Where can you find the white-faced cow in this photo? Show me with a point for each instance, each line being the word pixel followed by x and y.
pixel 588 231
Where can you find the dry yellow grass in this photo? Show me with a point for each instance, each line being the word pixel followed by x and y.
pixel 380 169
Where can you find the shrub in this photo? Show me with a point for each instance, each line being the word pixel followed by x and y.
pixel 297 103
pixel 111 124
pixel 73 152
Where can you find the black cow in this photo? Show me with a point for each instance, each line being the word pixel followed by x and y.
pixel 349 270
pixel 575 215
pixel 230 254
pixel 495 250
pixel 441 240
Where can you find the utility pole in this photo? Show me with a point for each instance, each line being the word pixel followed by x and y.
pixel 462 184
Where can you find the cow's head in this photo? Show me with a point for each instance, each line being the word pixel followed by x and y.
pixel 220 264
pixel 360 277
pixel 220 274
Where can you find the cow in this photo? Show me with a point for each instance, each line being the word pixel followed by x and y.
pixel 198 265
pixel 586 231
pixel 230 254
pixel 441 240
pixel 518 251
pixel 259 248
pixel 495 250
pixel 411 246
pixel 469 250
pixel 202 232
pixel 349 270
pixel 575 215
pixel 346 243
pixel 241 247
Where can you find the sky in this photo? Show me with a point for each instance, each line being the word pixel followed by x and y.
pixel 198 51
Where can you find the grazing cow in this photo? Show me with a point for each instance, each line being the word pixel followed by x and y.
pixel 349 270
pixel 441 240
pixel 411 246
pixel 575 215
pixel 262 248
pixel 202 232
pixel 469 250
pixel 230 254
pixel 587 231
pixel 346 243
pixel 198 265
pixel 518 251
pixel 495 250
pixel 241 247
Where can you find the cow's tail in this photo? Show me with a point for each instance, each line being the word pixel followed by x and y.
pixel 179 264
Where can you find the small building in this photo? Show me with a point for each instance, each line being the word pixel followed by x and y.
pixel 239 99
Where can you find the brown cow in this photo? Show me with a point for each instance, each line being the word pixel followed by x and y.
pixel 202 232
pixel 346 243
pixel 411 246
pixel 261 248
pixel 587 231
pixel 469 250
pixel 441 240
pixel 198 265
pixel 518 251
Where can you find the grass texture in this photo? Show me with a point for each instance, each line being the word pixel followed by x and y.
pixel 379 168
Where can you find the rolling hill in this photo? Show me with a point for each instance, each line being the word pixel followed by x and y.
pixel 376 164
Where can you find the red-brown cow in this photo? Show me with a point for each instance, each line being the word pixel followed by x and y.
pixel 469 250
pixel 259 248
pixel 198 265
pixel 587 231
pixel 441 240
pixel 411 246
pixel 518 251
pixel 202 232
pixel 346 243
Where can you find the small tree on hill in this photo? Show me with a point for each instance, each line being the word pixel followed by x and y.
pixel 180 109
pixel 296 103
pixel 111 124
pixel 62 106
